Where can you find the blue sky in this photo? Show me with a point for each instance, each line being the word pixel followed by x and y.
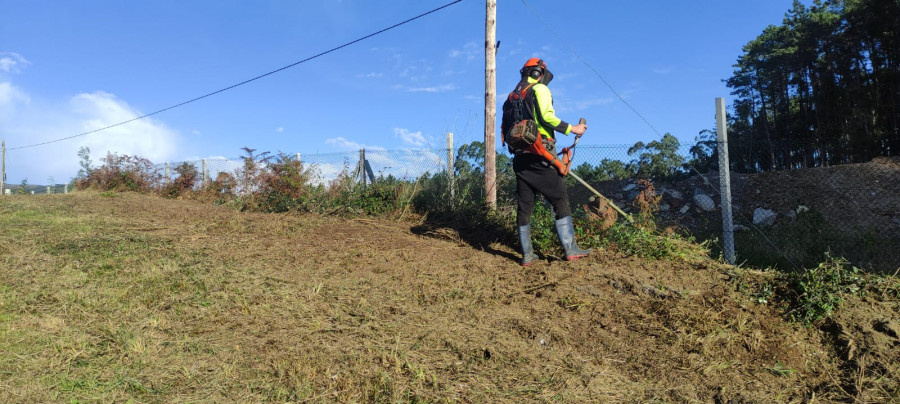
pixel 67 67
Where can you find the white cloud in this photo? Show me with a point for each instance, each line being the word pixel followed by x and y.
pixel 12 62
pixel 416 139
pixel 36 122
pixel 280 129
pixel 370 75
pixel 146 137
pixel 432 89
pixel 344 144
pixel 663 70
pixel 469 52
pixel 585 104
pixel 11 99
pixel 347 145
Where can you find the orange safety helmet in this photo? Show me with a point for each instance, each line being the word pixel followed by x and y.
pixel 534 68
pixel 537 68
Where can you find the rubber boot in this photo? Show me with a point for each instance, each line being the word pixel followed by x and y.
pixel 566 232
pixel 525 241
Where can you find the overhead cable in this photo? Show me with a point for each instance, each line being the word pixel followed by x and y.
pixel 705 180
pixel 589 66
pixel 245 81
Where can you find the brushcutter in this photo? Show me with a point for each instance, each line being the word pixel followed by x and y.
pixel 603 202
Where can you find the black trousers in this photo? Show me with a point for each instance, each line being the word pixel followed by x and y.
pixel 535 175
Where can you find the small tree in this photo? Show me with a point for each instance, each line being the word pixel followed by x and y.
pixel 704 153
pixel 23 186
pixel 657 159
pixel 248 175
pixel 185 182
pixel 84 156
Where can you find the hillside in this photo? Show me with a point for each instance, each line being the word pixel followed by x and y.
pixel 118 297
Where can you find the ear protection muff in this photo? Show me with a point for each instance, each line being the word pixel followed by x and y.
pixel 534 68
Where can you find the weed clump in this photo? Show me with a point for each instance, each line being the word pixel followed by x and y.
pixel 816 293
pixel 640 237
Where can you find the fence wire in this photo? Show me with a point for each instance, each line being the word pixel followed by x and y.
pixel 407 165
pixel 800 206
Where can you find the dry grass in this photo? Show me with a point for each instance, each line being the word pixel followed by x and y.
pixel 123 297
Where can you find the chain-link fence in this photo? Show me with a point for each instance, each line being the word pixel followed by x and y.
pixel 407 165
pixel 786 217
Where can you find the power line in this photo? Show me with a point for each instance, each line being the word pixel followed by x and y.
pixel 245 81
pixel 589 66
pixel 713 188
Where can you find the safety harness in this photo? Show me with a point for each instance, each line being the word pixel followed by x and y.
pixel 523 135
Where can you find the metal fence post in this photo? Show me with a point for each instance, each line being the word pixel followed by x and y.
pixel 725 181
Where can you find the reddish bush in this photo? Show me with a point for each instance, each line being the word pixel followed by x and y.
pixel 184 183
pixel 281 186
pixel 122 173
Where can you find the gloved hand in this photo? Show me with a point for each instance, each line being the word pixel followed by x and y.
pixel 579 129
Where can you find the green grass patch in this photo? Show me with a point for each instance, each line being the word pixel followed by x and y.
pixel 816 293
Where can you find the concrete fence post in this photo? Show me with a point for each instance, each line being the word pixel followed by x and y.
pixel 363 169
pixel 167 172
pixel 204 175
pixel 361 166
pixel 451 172
pixel 725 181
pixel 3 167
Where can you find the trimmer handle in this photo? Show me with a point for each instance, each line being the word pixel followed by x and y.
pixel 581 121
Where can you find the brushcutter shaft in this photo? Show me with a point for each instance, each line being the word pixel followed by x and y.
pixel 599 195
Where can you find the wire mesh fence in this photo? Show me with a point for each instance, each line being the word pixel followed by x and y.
pixel 406 165
pixel 786 217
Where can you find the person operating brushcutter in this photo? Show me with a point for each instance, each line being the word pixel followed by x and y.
pixel 529 125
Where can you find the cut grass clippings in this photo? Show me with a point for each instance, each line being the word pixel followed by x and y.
pixel 143 299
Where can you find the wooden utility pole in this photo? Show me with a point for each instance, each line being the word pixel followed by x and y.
pixel 490 105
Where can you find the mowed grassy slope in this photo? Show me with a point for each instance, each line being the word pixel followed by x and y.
pixel 127 297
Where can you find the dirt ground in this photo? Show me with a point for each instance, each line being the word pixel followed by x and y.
pixel 350 310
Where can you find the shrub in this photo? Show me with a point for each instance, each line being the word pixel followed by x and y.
pixel 184 183
pixel 122 173
pixel 281 186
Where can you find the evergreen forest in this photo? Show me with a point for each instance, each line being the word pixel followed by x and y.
pixel 821 89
